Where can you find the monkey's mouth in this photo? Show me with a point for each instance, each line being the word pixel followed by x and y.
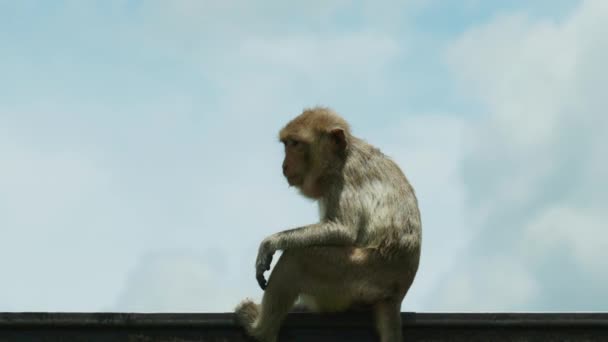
pixel 293 180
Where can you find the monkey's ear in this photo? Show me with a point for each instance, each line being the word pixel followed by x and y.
pixel 338 137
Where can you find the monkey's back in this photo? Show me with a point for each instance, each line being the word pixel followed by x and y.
pixel 379 202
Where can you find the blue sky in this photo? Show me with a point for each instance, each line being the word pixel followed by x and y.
pixel 139 164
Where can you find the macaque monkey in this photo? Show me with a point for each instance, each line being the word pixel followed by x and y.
pixel 365 249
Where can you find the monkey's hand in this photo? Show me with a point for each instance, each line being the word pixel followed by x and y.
pixel 263 261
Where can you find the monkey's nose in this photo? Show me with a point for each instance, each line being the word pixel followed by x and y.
pixel 284 168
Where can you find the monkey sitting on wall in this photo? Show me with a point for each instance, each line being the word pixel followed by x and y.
pixel 365 249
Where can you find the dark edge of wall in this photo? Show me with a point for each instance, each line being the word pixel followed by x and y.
pixel 445 320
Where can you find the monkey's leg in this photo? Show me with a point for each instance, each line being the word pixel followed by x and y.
pixel 388 320
pixel 279 297
pixel 336 277
pixel 341 277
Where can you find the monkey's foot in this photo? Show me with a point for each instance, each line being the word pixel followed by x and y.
pixel 246 314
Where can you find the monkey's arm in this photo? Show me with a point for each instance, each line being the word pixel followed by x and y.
pixel 324 233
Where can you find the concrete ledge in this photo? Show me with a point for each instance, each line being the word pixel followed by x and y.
pixel 351 327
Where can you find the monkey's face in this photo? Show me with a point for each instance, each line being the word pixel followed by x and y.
pixel 296 164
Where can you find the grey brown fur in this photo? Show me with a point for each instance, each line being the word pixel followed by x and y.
pixel 364 250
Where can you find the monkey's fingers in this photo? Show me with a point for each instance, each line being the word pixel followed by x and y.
pixel 261 280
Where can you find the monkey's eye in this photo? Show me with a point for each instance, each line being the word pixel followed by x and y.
pixel 292 143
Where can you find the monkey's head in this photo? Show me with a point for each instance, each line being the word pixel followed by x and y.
pixel 315 142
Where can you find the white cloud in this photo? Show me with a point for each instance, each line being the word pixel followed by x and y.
pixel 494 283
pixel 580 232
pixel 47 219
pixel 178 282
pixel 49 184
pixel 364 53
pixel 533 167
